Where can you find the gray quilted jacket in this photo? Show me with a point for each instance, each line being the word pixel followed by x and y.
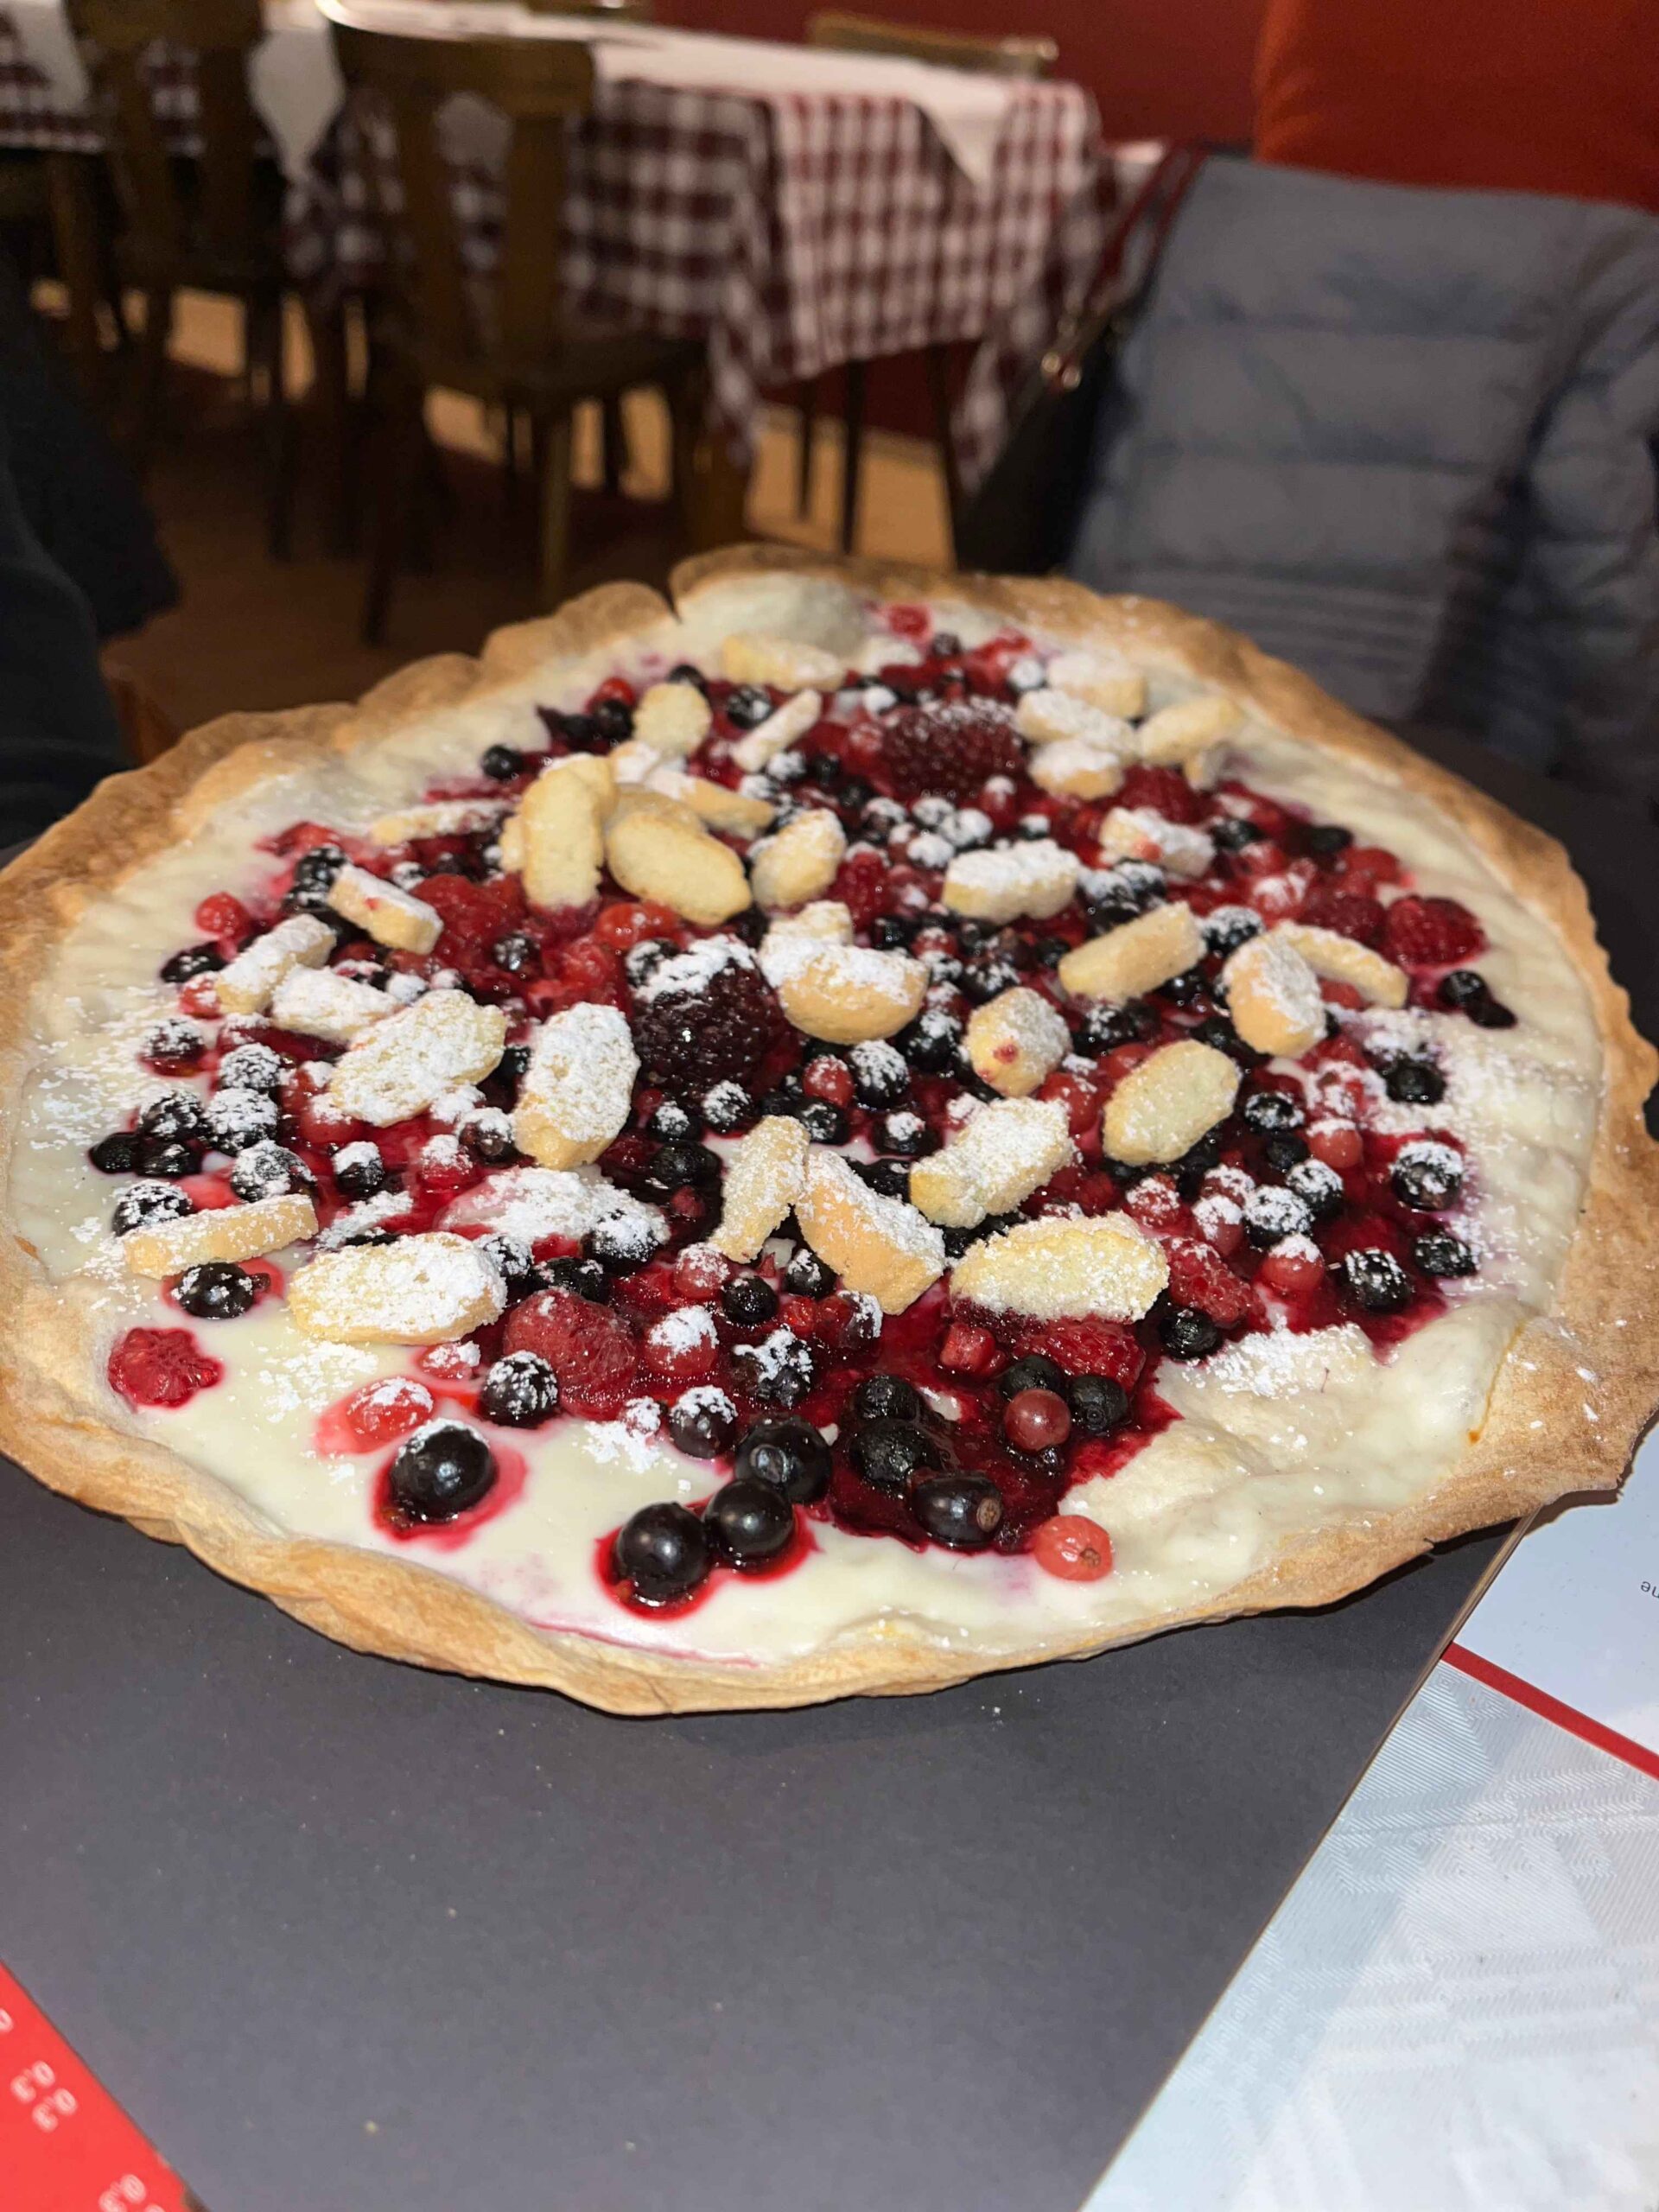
pixel 1409 440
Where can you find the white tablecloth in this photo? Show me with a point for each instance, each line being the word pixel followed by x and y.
pixel 1456 2009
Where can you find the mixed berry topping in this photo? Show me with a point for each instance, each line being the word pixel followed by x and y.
pixel 1036 963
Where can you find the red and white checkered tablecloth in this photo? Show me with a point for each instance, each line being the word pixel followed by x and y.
pixel 794 232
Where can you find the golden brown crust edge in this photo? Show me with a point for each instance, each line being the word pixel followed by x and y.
pixel 1598 1338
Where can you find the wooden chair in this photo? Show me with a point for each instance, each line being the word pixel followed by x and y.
pixel 1024 57
pixel 211 223
pixel 507 341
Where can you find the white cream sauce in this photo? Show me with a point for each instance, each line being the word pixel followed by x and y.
pixel 1280 1434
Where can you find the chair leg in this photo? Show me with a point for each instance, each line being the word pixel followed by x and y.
pixel 555 547
pixel 332 403
pixel 685 413
pixel 807 395
pixel 401 443
pixel 613 443
pixel 152 374
pixel 851 456
pixel 939 386
pixel 78 243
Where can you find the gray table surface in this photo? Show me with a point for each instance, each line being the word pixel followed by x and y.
pixel 340 1934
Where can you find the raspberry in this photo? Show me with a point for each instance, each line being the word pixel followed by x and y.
pixel 683 1344
pixel 382 1410
pixel 720 1026
pixel 1431 933
pixel 1166 790
pixel 1199 1277
pixel 589 1348
pixel 1089 1346
pixel 220 915
pixel 861 885
pixel 965 1349
pixel 161 1366
pixel 1348 911
pixel 476 916
pixel 949 749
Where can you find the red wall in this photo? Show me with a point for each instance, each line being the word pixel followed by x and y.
pixel 1158 68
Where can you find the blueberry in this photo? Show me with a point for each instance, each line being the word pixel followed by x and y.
pixel 1226 928
pixel 807 1275
pixel 1098 1404
pixel 891 1178
pixel 907 1133
pixel 781 1368
pixel 891 932
pixel 588 1277
pixel 177 1114
pixel 1033 1372
pixel 1272 1214
pixel 269 1171
pixel 1427 1176
pixel 748 706
pixel 1325 840
pixel 520 1391
pixel 440 1471
pixel 516 952
pixel 1462 986
pixel 822 769
pixel 663 1551
pixel 1375 1280
pixel 1235 832
pixel 145 1203
pixel 789 1454
pixel 512 1262
pixel 1215 1030
pixel 316 870
pixel 702 1423
pixel 823 1123
pixel 1182 989
pixel 613 720
pixel 1492 1014
pixel 1437 1252
pixel 985 979
pixel 501 764
pixel 887 1397
pixel 930 1044
pixel 887 1453
pixel 117 1155
pixel 1415 1082
pixel 1318 1188
pixel 728 1107
pixel 685 1167
pixel 749 1521
pixel 618 1244
pixel 881 1075
pixel 194 959
pixel 217 1290
pixel 750 1300
pixel 1270 1112
pixel 1286 1149
pixel 487 1134
pixel 1188 1333
pixel 360 1171
pixel 1105 1027
pixel 684 672
pixel 964 1511
pixel 162 1156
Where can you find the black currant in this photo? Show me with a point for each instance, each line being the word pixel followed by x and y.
pixel 1187 1333
pixel 749 1521
pixel 520 1391
pixel 750 1300
pixel 1098 1404
pixel 887 1397
pixel 1033 1370
pixel 663 1551
pixel 962 1510
pixel 440 1471
pixel 1415 1082
pixel 1375 1280
pixel 217 1290
pixel 1438 1252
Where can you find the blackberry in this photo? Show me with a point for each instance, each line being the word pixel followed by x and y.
pixel 891 1178
pixel 178 1116
pixel 217 1290
pixel 718 1025
pixel 143 1204
pixel 1375 1280
pixel 268 1170
pixel 673 1123
pixel 250 1067
pixel 1187 1333
pixel 1325 840
pixel 117 1155
pixel 807 1275
pixel 1439 1253
pixel 239 1118
pixel 316 870
pixel 642 960
pixel 951 752
pixel 1105 1027
pixel 520 1391
pixel 587 1278
pixel 501 764
pixel 749 1300
pixel 193 960
pixel 1415 1082
pixel 887 1453
pixel 1234 833
pixel 174 1047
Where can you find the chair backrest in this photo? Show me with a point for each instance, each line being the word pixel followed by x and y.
pixel 219 219
pixel 633 11
pixel 539 84
pixel 1015 56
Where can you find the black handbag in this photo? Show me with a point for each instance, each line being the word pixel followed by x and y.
pixel 1022 518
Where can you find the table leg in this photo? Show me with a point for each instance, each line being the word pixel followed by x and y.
pixel 71 182
pixel 851 455
pixel 718 497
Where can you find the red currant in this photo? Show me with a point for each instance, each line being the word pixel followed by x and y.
pixel 1073 1548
